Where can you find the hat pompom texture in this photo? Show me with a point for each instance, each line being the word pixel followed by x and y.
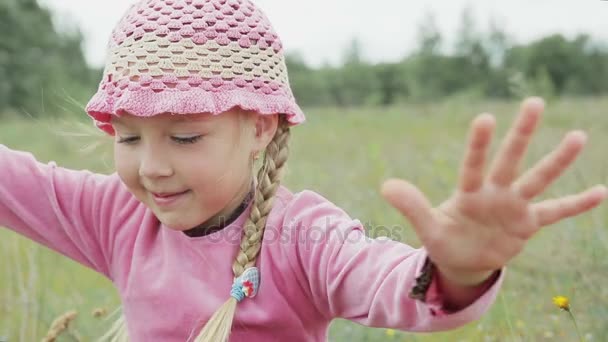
pixel 193 56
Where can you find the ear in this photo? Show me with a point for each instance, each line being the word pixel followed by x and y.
pixel 265 129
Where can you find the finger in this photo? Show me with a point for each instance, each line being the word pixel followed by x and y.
pixel 551 211
pixel 548 169
pixel 471 170
pixel 506 164
pixel 410 202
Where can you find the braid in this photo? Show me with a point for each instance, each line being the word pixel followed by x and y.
pixel 268 181
pixel 269 178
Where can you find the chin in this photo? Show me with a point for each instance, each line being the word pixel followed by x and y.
pixel 174 224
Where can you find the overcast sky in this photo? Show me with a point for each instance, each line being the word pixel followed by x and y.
pixel 321 29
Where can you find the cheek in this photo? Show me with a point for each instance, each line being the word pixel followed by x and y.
pixel 201 172
pixel 127 168
pixel 219 169
pixel 210 159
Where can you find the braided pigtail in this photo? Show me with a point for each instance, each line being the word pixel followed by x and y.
pixel 269 177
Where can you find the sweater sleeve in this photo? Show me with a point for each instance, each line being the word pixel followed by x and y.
pixel 65 210
pixel 368 281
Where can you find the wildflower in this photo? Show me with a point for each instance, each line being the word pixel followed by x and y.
pixel 390 332
pixel 562 302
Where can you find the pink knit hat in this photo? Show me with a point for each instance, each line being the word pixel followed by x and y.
pixel 193 56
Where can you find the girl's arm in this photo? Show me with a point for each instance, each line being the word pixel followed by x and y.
pixel 66 210
pixel 370 281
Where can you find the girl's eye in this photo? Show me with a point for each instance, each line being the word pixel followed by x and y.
pixel 183 141
pixel 189 140
pixel 127 141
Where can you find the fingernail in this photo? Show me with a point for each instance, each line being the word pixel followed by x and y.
pixel 535 101
pixel 603 191
pixel 581 135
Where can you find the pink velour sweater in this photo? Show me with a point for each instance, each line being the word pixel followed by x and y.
pixel 316 263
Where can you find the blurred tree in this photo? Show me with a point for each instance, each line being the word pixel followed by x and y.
pixel 392 84
pixel 572 67
pixel 429 37
pixel 39 67
pixel 309 86
pixel 358 82
pixel 497 43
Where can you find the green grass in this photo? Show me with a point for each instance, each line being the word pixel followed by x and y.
pixel 361 148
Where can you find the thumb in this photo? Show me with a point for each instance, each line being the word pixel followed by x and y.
pixel 406 198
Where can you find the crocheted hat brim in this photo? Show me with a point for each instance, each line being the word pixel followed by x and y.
pixel 147 102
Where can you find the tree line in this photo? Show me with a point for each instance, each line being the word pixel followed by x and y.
pixel 43 69
pixel 481 64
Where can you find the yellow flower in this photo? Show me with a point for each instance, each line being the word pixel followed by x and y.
pixel 390 332
pixel 561 302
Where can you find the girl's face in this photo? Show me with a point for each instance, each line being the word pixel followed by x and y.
pixel 202 157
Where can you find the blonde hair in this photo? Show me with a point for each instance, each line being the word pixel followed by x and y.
pixel 218 328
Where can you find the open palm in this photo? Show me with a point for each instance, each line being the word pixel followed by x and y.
pixel 489 218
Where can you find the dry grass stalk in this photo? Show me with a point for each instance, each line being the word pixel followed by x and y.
pixel 59 325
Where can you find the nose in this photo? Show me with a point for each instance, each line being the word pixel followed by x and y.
pixel 154 164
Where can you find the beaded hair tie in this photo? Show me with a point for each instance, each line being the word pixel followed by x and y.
pixel 246 285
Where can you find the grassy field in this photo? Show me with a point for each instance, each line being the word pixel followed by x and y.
pixel 361 148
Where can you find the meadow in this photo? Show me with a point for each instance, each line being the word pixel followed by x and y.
pixel 345 154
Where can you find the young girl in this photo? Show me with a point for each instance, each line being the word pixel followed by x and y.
pixel 200 249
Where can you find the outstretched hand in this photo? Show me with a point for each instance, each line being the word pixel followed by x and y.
pixel 489 219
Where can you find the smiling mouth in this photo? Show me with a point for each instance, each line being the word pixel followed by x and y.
pixel 167 194
pixel 167 199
